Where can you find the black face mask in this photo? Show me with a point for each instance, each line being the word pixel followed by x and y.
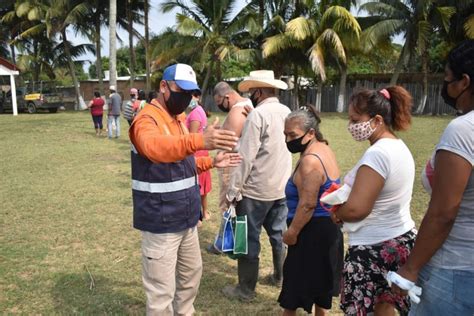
pixel 449 100
pixel 295 145
pixel 177 101
pixel 253 99
pixel 221 105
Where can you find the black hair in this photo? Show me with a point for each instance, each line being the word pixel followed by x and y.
pixel 309 118
pixel 141 95
pixel 151 95
pixel 461 60
pixel 97 94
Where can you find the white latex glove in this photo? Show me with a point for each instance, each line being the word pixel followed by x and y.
pixel 414 291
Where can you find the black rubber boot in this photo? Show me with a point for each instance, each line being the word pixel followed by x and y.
pixel 278 260
pixel 276 279
pixel 248 276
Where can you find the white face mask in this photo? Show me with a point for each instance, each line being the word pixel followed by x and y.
pixel 361 131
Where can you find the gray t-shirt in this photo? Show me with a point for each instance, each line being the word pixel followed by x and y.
pixel 457 252
pixel 115 104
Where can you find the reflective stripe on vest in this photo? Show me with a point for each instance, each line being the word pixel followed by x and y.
pixel 165 187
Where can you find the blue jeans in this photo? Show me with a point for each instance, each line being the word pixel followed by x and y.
pixel 269 214
pixel 445 292
pixel 116 119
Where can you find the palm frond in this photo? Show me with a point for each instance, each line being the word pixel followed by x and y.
pixel 299 28
pixel 275 44
pixel 344 21
pixel 380 32
pixel 277 23
pixel 188 26
pixel 76 14
pixel 8 17
pixel 469 27
pixel 168 6
pixel 379 8
pixel 332 43
pixel 316 58
pixel 32 31
pixel 248 55
pixel 445 14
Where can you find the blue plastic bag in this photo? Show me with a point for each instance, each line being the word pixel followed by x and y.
pixel 224 241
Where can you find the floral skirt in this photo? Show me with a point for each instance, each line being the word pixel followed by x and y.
pixel 363 276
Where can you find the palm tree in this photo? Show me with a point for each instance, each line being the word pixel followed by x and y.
pixel 133 9
pixel 416 19
pixel 146 44
pixel 8 29
pixel 97 17
pixel 112 42
pixel 320 36
pixel 55 16
pixel 215 30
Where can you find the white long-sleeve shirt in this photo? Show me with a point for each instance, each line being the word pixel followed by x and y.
pixel 266 164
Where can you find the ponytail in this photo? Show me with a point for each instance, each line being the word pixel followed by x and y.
pixel 401 103
pixel 319 136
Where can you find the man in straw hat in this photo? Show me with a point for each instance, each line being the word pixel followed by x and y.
pixel 257 186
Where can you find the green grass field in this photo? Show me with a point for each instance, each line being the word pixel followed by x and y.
pixel 67 245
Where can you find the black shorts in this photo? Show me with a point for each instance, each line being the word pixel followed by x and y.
pixel 312 269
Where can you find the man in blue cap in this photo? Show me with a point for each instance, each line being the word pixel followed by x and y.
pixel 166 199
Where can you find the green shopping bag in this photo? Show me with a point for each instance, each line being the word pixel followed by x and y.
pixel 239 225
pixel 240 235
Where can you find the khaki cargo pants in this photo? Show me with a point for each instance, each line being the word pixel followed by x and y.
pixel 172 269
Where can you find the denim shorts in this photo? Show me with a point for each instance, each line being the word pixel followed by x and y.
pixel 445 292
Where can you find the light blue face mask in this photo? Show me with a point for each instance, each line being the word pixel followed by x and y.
pixel 193 104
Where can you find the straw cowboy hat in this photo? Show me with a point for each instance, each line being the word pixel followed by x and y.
pixel 261 79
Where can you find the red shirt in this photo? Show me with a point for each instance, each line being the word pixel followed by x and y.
pixel 97 107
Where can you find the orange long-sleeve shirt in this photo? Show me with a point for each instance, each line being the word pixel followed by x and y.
pixel 162 138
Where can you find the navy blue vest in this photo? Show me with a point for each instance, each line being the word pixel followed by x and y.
pixel 166 196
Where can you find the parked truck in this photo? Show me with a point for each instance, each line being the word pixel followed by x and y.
pixel 33 97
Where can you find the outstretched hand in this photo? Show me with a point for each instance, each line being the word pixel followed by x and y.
pixel 224 160
pixel 216 138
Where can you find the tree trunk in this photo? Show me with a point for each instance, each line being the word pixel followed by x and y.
pixel 37 69
pixel 113 42
pixel 130 43
pixel 72 69
pixel 98 49
pixel 147 48
pixel 12 50
pixel 296 103
pixel 218 70
pixel 424 95
pixel 206 81
pixel 261 13
pixel 319 89
pixel 342 89
pixel 400 63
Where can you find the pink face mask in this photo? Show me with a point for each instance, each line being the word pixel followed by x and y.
pixel 361 131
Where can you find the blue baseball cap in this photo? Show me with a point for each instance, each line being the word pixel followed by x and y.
pixel 183 75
